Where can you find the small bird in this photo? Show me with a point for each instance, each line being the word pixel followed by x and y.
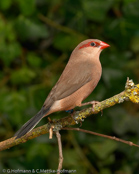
pixel 79 78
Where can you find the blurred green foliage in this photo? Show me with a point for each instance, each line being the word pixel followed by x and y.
pixel 36 39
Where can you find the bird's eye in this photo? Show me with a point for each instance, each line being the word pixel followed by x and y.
pixel 93 44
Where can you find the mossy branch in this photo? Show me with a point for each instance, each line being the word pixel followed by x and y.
pixel 131 93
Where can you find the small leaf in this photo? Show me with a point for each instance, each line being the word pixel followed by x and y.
pixel 14 103
pixel 96 9
pixel 27 7
pixel 135 44
pixel 33 59
pixel 105 171
pixel 66 42
pixel 23 75
pixel 37 149
pixel 122 121
pixel 9 52
pixel 5 4
pixel 27 29
pixel 131 8
pixel 109 74
pixel 103 149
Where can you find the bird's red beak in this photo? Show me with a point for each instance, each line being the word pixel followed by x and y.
pixel 104 45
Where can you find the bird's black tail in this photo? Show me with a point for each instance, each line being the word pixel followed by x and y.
pixel 29 125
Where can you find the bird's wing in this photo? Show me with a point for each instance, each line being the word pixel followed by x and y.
pixel 72 78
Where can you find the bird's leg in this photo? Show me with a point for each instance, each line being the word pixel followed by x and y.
pixel 93 103
pixel 71 112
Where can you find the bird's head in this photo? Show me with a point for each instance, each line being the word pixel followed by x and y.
pixel 91 46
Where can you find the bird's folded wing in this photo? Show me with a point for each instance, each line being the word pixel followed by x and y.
pixel 72 79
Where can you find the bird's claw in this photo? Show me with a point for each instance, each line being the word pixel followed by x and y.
pixel 94 103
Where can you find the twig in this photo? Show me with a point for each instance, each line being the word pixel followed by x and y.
pixel 131 93
pixel 60 27
pixel 81 154
pixel 51 132
pixel 102 135
pixel 60 152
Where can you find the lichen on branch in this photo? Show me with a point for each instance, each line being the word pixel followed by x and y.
pixel 131 93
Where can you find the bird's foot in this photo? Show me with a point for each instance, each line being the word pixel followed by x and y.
pixel 77 121
pixel 70 111
pixel 93 103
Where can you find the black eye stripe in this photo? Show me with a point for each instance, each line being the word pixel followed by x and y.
pixel 92 44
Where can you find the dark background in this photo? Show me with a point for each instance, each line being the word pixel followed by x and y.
pixel 33 52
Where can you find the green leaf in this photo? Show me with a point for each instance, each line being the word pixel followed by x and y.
pixel 135 44
pixel 103 149
pixel 72 157
pixel 14 103
pixel 131 8
pixel 37 149
pixel 9 52
pixel 33 59
pixel 27 29
pixel 22 76
pixel 122 122
pixel 111 74
pixel 66 42
pixel 5 4
pixel 105 171
pixel 6 31
pixel 27 7
pixel 96 9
